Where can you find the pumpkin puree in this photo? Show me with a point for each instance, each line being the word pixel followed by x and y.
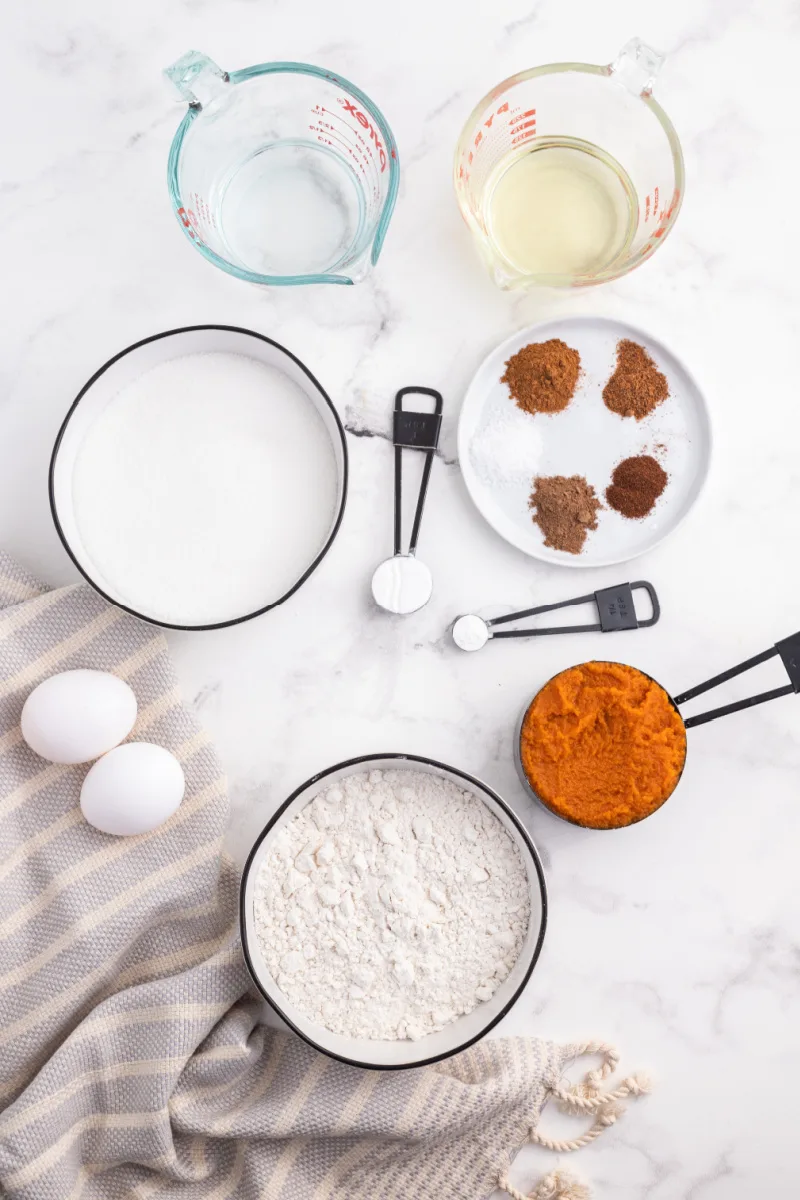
pixel 602 745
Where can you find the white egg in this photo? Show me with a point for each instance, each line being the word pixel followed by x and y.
pixel 132 789
pixel 77 716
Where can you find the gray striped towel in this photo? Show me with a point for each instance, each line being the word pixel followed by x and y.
pixel 133 1060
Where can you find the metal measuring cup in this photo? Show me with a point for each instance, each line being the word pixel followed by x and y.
pixel 789 652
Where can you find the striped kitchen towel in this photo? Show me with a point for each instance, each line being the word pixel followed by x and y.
pixel 133 1060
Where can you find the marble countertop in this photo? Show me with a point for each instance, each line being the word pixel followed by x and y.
pixel 678 940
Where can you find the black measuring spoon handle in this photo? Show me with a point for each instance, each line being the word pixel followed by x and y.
pixel 615 609
pixel 413 431
pixel 789 652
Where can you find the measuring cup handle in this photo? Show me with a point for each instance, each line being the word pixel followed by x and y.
pixel 789 651
pixel 738 706
pixel 197 78
pixel 655 617
pixel 636 67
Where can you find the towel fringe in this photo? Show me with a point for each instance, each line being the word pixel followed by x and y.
pixel 558 1185
pixel 585 1098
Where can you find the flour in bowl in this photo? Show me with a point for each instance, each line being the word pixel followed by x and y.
pixel 204 490
pixel 391 904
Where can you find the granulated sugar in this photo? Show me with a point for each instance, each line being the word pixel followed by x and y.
pixel 205 489
pixel 391 904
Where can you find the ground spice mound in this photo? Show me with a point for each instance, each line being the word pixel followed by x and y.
pixel 637 386
pixel 542 376
pixel 602 745
pixel 636 485
pixel 565 509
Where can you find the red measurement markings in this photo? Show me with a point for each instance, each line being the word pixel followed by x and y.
pixel 327 132
pixel 664 215
pixel 337 143
pixel 365 123
pixel 646 209
pixel 488 122
pixel 205 213
pixel 524 133
pixel 189 222
pixel 337 132
pixel 488 125
pixel 352 136
pixel 522 127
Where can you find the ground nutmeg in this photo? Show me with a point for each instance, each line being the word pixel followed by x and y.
pixel 637 386
pixel 636 484
pixel 565 509
pixel 602 745
pixel 542 376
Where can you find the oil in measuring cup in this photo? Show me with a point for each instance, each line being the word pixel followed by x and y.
pixel 561 207
pixel 570 174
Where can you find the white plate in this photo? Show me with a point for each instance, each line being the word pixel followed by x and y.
pixel 588 439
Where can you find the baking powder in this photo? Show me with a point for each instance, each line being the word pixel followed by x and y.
pixel 391 904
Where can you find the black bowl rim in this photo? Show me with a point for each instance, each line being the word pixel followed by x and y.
pixel 155 337
pixel 362 760
pixel 612 662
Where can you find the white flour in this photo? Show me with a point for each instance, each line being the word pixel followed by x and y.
pixel 205 489
pixel 506 449
pixel 391 904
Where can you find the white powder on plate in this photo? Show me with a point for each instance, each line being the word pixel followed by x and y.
pixel 506 449
pixel 391 904
pixel 204 489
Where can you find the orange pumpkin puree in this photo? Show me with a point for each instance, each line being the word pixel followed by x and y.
pixel 602 745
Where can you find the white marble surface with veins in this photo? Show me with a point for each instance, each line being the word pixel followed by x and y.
pixel 679 939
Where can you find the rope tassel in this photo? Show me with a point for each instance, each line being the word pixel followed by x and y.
pixel 585 1098
pixel 558 1185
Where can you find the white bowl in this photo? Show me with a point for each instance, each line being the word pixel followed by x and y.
pixel 459 1034
pixel 127 366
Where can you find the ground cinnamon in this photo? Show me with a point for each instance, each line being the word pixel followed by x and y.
pixel 637 386
pixel 565 509
pixel 636 485
pixel 542 376
pixel 602 745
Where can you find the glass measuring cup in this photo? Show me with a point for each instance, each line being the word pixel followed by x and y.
pixel 281 173
pixel 613 156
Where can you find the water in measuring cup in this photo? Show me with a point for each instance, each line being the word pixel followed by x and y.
pixel 291 208
pixel 563 207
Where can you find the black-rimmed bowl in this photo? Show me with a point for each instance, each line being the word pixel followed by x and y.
pixel 465 1030
pixel 128 365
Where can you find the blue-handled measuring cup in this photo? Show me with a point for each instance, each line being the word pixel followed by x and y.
pixel 282 173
